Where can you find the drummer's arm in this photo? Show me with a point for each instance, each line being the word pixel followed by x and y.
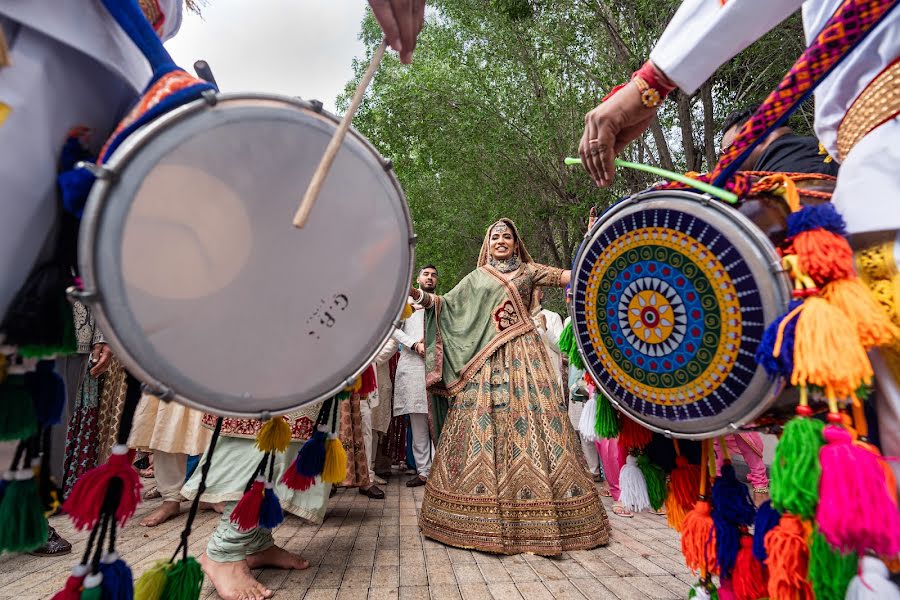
pixel 705 34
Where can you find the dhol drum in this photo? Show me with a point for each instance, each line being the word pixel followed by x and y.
pixel 205 290
pixel 672 291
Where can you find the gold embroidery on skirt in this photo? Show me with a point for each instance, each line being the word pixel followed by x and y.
pixel 877 267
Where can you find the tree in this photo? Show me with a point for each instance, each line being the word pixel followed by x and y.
pixel 479 124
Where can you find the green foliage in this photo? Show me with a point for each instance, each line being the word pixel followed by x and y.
pixel 479 124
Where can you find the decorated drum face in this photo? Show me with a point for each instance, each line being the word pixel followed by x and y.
pixel 671 295
pixel 202 285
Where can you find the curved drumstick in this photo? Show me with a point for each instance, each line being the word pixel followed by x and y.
pixel 318 178
pixel 703 187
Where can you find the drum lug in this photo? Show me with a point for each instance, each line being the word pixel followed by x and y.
pixel 75 294
pixel 387 164
pixel 413 240
pixel 98 171
pixel 210 96
pixel 162 392
pixel 316 105
pixel 706 199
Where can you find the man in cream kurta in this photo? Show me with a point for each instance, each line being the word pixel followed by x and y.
pixel 410 396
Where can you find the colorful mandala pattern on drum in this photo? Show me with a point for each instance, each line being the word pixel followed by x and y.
pixel 669 315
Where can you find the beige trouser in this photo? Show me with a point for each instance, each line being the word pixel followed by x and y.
pixel 365 411
pixel 169 470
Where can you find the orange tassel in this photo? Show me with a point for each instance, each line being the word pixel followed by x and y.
pixel 827 351
pixel 684 483
pixel 675 513
pixel 824 256
pixel 855 300
pixel 788 560
pixel 698 538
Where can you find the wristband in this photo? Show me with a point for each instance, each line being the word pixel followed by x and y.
pixel 653 86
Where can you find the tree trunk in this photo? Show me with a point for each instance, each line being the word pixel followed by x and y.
pixel 662 146
pixel 692 157
pixel 709 133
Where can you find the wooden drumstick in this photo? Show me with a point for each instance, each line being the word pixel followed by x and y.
pixel 318 178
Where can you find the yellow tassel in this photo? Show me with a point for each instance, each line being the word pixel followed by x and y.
pixel 408 311
pixel 335 470
pixel 827 351
pixel 4 50
pixel 675 513
pixel 274 436
pixel 150 585
pixel 355 387
pixel 855 300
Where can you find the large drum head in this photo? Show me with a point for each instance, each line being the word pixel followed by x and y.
pixel 202 283
pixel 672 294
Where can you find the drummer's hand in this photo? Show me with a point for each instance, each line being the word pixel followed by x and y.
pixel 401 21
pixel 102 356
pixel 610 127
pixel 592 218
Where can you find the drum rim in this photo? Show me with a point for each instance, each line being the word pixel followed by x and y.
pixel 762 243
pixel 107 175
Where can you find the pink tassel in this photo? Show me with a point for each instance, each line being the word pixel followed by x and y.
pixel 856 512
pixel 726 591
pixel 83 504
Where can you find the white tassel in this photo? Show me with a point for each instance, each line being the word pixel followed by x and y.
pixel 633 487
pixel 586 423
pixel 872 583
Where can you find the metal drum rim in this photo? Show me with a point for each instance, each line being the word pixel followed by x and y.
pixel 103 188
pixel 762 243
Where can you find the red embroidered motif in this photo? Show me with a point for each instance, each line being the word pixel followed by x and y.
pixel 301 427
pixel 505 316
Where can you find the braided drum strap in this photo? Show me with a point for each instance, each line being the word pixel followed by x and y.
pixel 852 21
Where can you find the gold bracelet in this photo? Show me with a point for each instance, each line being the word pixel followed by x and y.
pixel 650 97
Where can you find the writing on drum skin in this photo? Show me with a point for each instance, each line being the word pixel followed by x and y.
pixel 327 314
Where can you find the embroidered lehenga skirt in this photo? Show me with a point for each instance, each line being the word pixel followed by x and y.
pixel 508 475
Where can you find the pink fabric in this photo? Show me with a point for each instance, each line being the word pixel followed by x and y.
pixel 750 446
pixel 609 457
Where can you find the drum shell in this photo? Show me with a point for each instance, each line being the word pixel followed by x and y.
pixel 109 305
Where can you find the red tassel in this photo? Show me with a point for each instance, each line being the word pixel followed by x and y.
pixel 684 482
pixel 788 560
pixel 749 577
pixel 72 589
pixel 632 436
pixel 698 538
pixel 293 480
pixel 369 384
pixel 246 513
pixel 589 380
pixel 83 504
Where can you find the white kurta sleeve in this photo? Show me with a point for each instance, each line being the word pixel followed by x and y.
pixel 388 350
pixel 554 329
pixel 704 34
pixel 404 338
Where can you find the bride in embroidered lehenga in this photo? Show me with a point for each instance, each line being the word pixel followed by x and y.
pixel 508 475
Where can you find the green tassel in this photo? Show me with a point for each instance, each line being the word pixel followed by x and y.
pixel 17 417
pixel 656 481
pixel 830 571
pixel 151 584
pixel 90 590
pixel 607 423
pixel 569 347
pixel 67 345
pixel 23 526
pixel 184 580
pixel 796 469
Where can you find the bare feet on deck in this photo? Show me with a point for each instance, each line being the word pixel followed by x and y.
pixel 233 580
pixel 167 510
pixel 277 558
pixel 216 507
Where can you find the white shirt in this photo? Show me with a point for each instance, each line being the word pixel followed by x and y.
pixel 410 396
pixel 550 337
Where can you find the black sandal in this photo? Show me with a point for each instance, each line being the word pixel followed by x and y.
pixel 374 492
pixel 55 546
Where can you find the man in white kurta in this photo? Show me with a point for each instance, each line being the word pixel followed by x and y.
pixel 704 34
pixel 550 325
pixel 410 395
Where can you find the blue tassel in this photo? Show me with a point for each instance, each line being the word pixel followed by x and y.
pixel 74 187
pixel 783 365
pixel 766 520
pixel 73 151
pixel 270 513
pixel 118 582
pixel 824 216
pixel 732 510
pixel 311 458
pixel 48 393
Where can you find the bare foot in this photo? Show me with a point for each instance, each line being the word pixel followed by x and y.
pixel 167 510
pixel 233 580
pixel 278 558
pixel 217 507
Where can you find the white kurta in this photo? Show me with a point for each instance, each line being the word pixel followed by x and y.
pixel 550 337
pixel 410 396
pixel 71 65
pixel 704 34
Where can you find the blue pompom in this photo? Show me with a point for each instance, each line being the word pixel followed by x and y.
pixel 732 509
pixel 118 582
pixel 270 513
pixel 74 187
pixel 823 216
pixel 73 151
pixel 311 458
pixel 783 365
pixel 766 520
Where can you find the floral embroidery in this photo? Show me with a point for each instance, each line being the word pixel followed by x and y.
pixel 505 316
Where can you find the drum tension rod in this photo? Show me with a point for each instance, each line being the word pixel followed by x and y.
pixel 98 171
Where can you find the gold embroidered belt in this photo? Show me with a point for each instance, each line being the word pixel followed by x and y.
pixel 877 104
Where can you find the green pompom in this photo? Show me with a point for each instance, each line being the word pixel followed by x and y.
pixel 656 481
pixel 569 347
pixel 151 584
pixel 796 469
pixel 18 420
pixel 23 526
pixel 92 593
pixel 830 571
pixel 607 421
pixel 184 580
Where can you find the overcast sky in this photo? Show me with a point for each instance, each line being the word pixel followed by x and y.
pixel 296 47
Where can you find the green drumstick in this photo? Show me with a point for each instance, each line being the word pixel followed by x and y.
pixel 703 187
